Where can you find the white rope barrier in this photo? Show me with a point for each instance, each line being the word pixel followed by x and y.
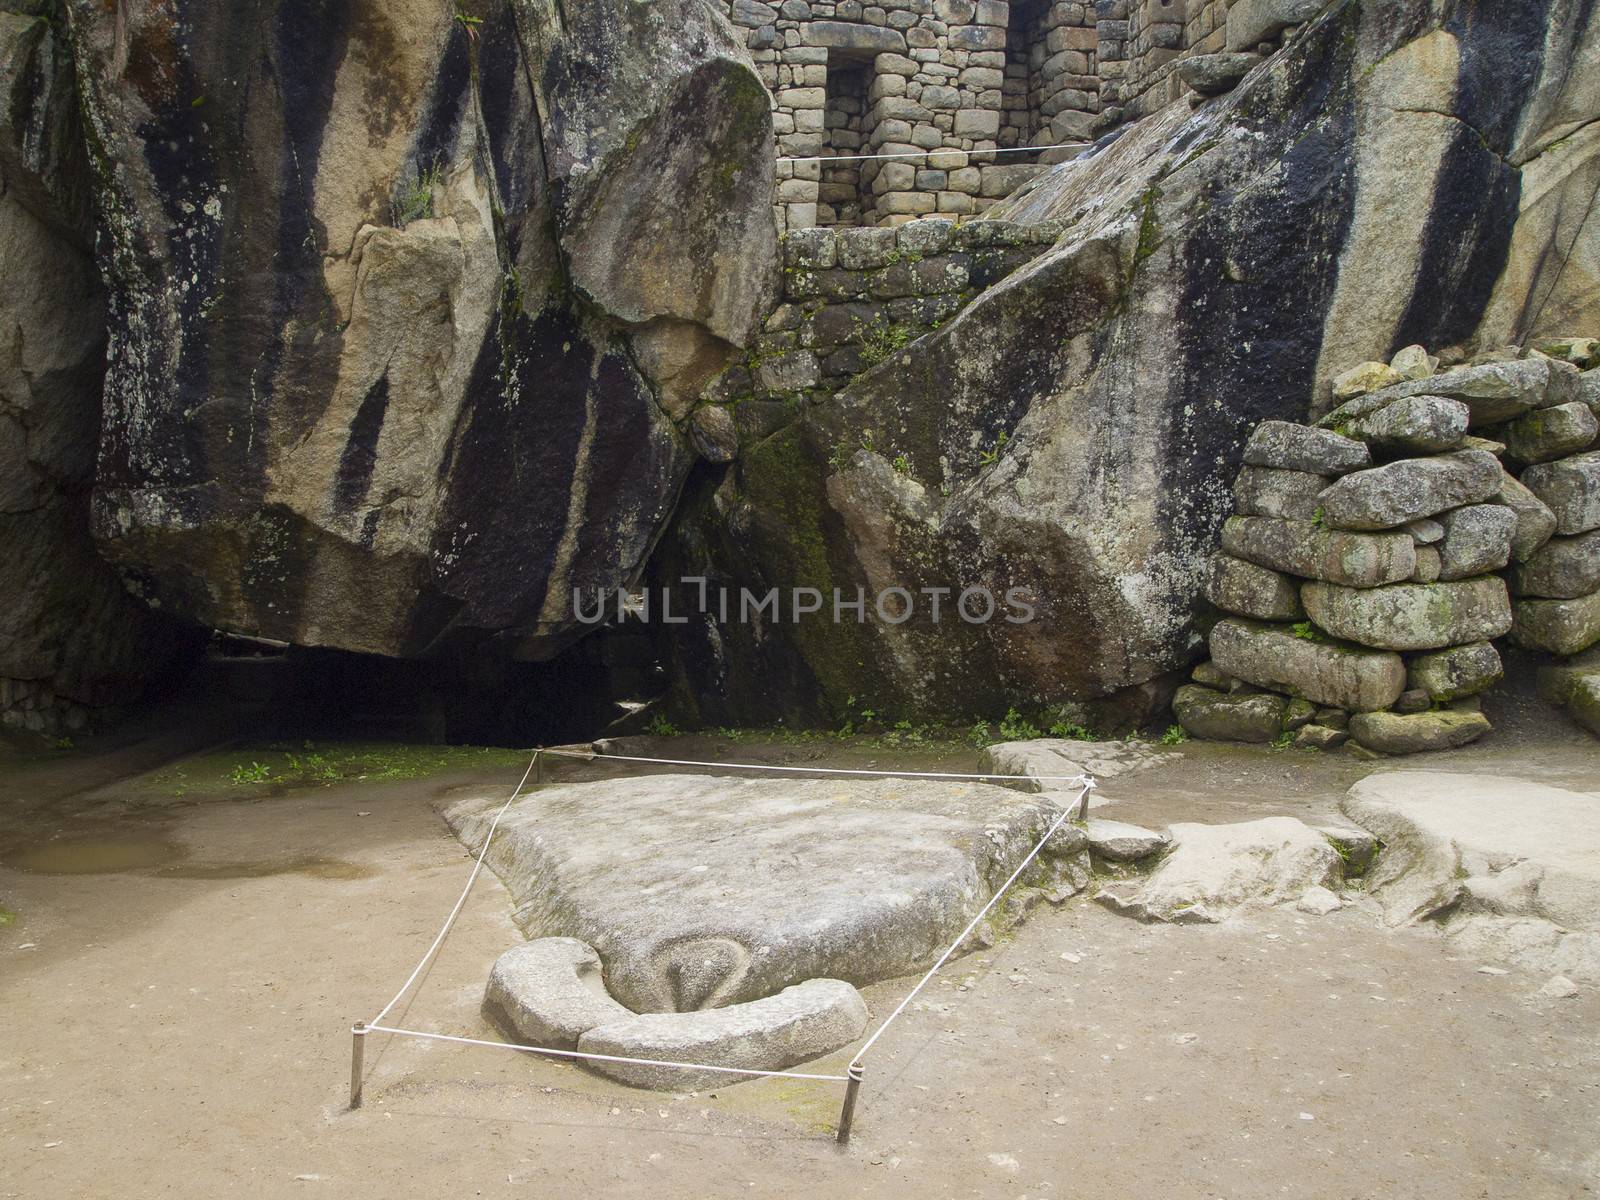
pixel 591 755
pixel 856 1071
pixel 841 158
pixel 971 925
pixel 615 1058
pixel 462 899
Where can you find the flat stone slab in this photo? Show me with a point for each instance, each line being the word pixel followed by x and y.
pixel 1215 869
pixel 1511 868
pixel 698 891
pixel 800 1023
pixel 1122 842
pixel 1040 758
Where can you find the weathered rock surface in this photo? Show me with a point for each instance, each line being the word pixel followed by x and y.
pixel 1288 446
pixel 1535 521
pixel 1477 539
pixel 400 304
pixel 1224 717
pixel 1570 488
pixel 1251 22
pixel 1549 433
pixel 1564 568
pixel 1270 492
pixel 1213 74
pixel 1306 549
pixel 1508 869
pixel 1122 842
pixel 1412 616
pixel 1493 392
pixel 1342 676
pixel 1412 425
pixel 801 1022
pixel 1455 672
pixel 73 643
pixel 1050 763
pixel 550 992
pixel 1387 496
pixel 1414 733
pixel 1237 586
pixel 1574 684
pixel 1557 626
pixel 1215 268
pixel 672 878
pixel 1215 869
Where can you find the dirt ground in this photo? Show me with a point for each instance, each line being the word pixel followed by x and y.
pixel 179 976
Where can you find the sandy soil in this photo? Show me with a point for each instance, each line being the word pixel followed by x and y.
pixel 177 1024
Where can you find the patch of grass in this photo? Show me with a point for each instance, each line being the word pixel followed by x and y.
pixel 989 457
pixel 659 726
pixel 417 200
pixel 1283 741
pixel 1305 631
pixel 1174 736
pixel 278 766
pixel 1072 732
pixel 7 917
pixel 1014 727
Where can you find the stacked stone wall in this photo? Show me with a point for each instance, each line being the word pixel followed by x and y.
pixel 853 298
pixel 1376 557
pixel 947 83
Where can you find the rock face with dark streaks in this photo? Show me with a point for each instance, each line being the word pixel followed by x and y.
pixel 72 641
pixel 1399 173
pixel 405 300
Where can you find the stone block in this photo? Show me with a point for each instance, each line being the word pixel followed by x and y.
pixel 1535 521
pixel 1564 568
pixel 1237 586
pixel 1325 672
pixel 1288 446
pixel 1415 733
pixel 1390 495
pixel 1412 616
pixel 1557 626
pixel 1412 425
pixel 864 249
pixel 1278 492
pixel 1477 540
pixel 847 35
pixel 1570 489
pixel 1455 672
pixel 1308 550
pixel 1219 717
pixel 810 248
pixel 1546 434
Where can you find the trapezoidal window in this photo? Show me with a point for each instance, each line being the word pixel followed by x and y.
pixel 840 200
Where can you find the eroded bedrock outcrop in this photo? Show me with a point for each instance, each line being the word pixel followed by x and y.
pixel 1213 870
pixel 405 301
pixel 551 993
pixel 1507 868
pixel 699 892
pixel 1385 179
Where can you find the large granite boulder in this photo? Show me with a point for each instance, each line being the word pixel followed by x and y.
pixel 404 300
pixel 1074 432
pixel 73 642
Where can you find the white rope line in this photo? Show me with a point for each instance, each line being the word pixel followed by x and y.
pixel 839 158
pixel 615 1058
pixel 973 924
pixel 462 899
pixel 590 755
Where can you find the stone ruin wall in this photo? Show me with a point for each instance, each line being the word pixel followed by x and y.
pixel 959 78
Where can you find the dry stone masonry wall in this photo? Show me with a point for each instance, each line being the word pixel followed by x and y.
pixel 948 82
pixel 853 298
pixel 1376 556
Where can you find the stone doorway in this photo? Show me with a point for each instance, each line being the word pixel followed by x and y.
pixel 843 198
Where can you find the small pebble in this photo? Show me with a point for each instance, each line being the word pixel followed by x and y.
pixel 1493 971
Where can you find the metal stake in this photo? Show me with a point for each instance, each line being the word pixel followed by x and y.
pixel 358 1045
pixel 847 1114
